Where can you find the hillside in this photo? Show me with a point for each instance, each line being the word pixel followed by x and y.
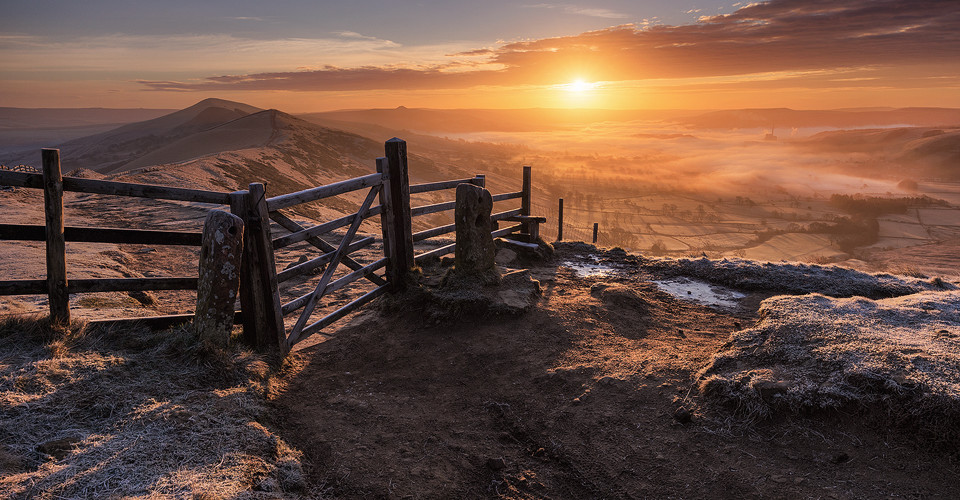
pixel 26 129
pixel 625 379
pixel 110 151
pixel 928 151
pixel 785 118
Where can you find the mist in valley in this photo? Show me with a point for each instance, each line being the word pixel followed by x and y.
pixel 873 198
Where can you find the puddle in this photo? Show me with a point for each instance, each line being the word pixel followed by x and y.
pixel 701 292
pixel 589 269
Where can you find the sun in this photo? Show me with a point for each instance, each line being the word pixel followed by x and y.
pixel 580 85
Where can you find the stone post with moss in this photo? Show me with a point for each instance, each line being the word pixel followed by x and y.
pixel 222 246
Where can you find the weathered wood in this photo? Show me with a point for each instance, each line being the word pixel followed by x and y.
pixel 340 313
pixel 505 214
pixel 437 231
pixel 249 278
pixel 320 192
pixel 21 179
pixel 154 322
pixel 23 232
pixel 505 231
pixel 97 186
pixel 437 252
pixel 269 322
pixel 328 272
pixel 388 226
pixel 596 228
pixel 526 199
pixel 520 244
pixel 318 230
pixel 439 186
pixel 219 278
pixel 23 287
pixel 526 218
pixel 317 262
pixel 39 287
pixel 475 252
pixel 131 284
pixel 507 196
pixel 401 243
pixel 56 248
pixel 479 180
pixel 560 221
pixel 335 285
pixel 291 225
pixel 436 207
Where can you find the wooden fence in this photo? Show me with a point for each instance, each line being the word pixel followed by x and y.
pixel 55 233
pixel 260 302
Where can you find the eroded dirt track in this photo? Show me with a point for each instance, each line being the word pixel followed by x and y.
pixel 577 398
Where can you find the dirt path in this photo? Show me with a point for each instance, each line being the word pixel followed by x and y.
pixel 576 399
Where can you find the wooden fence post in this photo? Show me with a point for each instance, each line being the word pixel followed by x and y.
pixel 387 224
pixel 238 207
pixel 219 280
pixel 596 227
pixel 270 330
pixel 525 201
pixel 259 295
pixel 560 222
pixel 58 293
pixel 401 243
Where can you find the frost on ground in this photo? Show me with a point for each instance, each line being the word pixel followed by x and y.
pixel 814 352
pixel 798 278
pixel 110 414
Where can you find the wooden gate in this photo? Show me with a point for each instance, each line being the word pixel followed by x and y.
pixel 260 279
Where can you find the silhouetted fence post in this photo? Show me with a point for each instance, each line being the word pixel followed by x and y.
pixel 400 251
pixel 525 200
pixel 596 228
pixel 59 296
pixel 259 295
pixel 560 221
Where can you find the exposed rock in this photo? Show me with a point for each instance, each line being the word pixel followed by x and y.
pixel 475 252
pixel 505 256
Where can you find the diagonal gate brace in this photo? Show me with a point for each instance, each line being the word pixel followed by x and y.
pixel 331 268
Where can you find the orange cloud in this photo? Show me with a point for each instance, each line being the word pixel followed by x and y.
pixel 777 36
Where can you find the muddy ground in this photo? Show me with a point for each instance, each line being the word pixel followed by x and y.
pixel 590 394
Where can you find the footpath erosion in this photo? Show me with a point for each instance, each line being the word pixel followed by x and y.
pixel 616 383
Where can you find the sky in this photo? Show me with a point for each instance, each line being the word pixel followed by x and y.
pixel 303 56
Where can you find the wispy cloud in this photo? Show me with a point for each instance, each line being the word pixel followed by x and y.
pixel 776 37
pixel 581 10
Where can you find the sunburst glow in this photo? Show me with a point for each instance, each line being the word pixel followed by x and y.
pixel 580 86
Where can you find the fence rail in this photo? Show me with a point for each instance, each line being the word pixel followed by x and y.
pixel 263 311
pixel 22 232
pixel 56 234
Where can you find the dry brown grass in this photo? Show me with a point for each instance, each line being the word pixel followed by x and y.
pixel 100 413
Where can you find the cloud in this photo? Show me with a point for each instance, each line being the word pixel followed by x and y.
pixel 580 10
pixel 776 37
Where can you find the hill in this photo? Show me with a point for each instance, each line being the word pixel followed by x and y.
pixel 110 151
pixel 928 152
pixel 28 129
pixel 840 118
pixel 456 121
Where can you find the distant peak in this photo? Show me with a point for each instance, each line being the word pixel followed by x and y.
pixel 401 108
pixel 223 103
